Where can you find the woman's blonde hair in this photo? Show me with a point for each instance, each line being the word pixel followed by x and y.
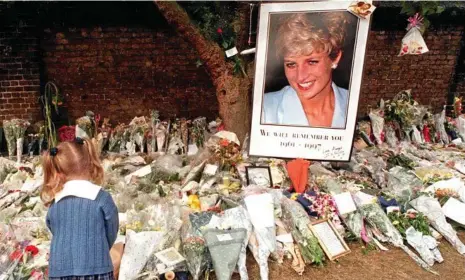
pixel 69 160
pixel 305 33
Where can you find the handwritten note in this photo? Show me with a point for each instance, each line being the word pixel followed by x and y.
pixel 329 238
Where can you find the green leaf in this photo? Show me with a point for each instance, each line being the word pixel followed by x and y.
pixel 440 9
pixel 407 8
pixel 225 44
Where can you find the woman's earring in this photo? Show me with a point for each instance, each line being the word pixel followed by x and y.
pixel 334 66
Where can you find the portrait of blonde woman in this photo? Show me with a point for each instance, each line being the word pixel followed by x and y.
pixel 308 48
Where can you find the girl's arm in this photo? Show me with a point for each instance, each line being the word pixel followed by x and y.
pixel 111 219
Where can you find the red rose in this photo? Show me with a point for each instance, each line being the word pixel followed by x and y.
pixel 32 249
pixel 67 133
pixel 219 30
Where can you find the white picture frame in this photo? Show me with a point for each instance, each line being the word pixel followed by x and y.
pixel 329 143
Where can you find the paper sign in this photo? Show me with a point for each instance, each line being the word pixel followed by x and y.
pixel 285 238
pixel 345 203
pixel 169 257
pixel 361 9
pixel 261 210
pixel 139 173
pixel 231 52
pixel 192 149
pixel 210 169
pixel 390 209
pixel 454 210
pixel 224 237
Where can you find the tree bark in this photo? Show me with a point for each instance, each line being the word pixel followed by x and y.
pixel 232 91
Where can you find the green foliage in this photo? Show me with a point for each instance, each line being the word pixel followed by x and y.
pixel 209 16
pixel 424 8
pixel 216 22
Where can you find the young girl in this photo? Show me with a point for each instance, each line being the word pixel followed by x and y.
pixel 82 217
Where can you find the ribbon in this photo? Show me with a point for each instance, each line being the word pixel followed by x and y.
pixel 415 21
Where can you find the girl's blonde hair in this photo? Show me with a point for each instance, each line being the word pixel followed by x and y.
pixel 304 33
pixel 71 160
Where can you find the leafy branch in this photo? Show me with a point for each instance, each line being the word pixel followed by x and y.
pixel 424 9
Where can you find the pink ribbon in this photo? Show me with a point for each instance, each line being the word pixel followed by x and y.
pixel 415 21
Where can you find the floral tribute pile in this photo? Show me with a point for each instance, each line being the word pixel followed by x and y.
pixel 187 192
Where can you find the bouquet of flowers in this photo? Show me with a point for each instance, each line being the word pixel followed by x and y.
pixel 377 123
pixel 194 250
pixel 84 127
pixel 138 127
pixel 405 110
pixel 14 134
pixel 297 221
pixel 451 128
pixel 322 204
pixel 439 120
pixel 403 221
pixel 431 208
pixel 226 153
pixel 161 132
pixel 379 221
pixel 431 175
pixel 197 131
pixel 116 137
pixel 154 120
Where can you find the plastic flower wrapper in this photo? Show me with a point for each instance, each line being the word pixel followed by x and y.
pixel 284 237
pixel 225 248
pixel 235 218
pixel 15 180
pixel 154 266
pixel 84 127
pixel 260 209
pixel 390 136
pixel 8 129
pixel 460 126
pixel 195 174
pixel 8 247
pixel 415 239
pixel 377 123
pixel 138 249
pixel 297 221
pixel 429 175
pixel 431 208
pixel 194 249
pixel 152 218
pixel 439 120
pixel 413 42
pixel 379 221
pixel 374 165
pixel 30 228
pixel 116 137
pixel 138 127
pixel 403 185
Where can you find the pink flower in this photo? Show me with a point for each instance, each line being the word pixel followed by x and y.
pixel 219 30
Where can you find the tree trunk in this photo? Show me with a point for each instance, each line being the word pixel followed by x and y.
pixel 232 91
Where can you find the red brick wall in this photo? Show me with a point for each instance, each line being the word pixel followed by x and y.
pixel 428 75
pixel 19 75
pixel 125 72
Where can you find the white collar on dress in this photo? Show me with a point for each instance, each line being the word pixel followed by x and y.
pixel 79 188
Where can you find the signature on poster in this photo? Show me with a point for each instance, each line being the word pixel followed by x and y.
pixel 336 152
